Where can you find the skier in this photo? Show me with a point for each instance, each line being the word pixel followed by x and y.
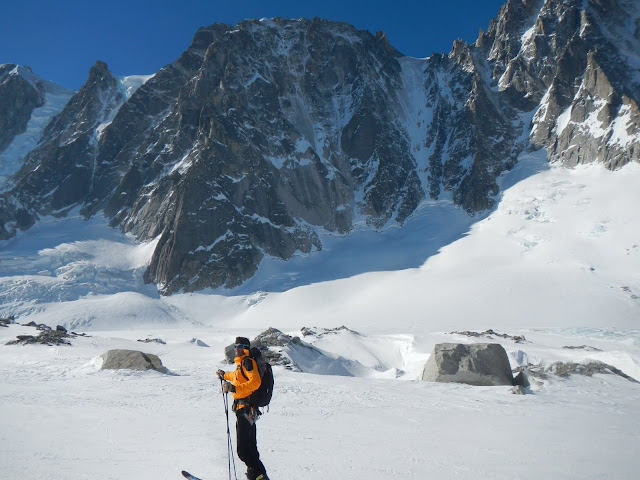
pixel 242 383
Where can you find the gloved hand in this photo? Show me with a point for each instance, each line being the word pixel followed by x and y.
pixel 220 374
pixel 227 387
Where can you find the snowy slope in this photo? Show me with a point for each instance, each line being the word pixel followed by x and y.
pixel 63 418
pixel 557 262
pixel 561 242
pixel 561 249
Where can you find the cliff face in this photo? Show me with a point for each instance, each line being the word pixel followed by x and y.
pixel 264 134
pixel 18 99
pixel 577 64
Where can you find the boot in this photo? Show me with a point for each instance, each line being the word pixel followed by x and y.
pixel 253 475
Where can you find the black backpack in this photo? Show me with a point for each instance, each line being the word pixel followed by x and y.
pixel 262 396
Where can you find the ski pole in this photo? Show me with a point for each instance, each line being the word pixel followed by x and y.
pixel 230 455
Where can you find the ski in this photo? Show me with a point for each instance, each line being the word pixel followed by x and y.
pixel 186 474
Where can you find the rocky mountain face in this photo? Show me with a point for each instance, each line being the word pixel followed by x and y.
pixel 27 104
pixel 18 99
pixel 264 134
pixel 577 65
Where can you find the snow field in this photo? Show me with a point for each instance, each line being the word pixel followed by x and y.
pixel 557 262
pixel 63 418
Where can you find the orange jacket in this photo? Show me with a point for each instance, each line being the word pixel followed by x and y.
pixel 249 382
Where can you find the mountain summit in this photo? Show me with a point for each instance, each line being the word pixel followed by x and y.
pixel 265 134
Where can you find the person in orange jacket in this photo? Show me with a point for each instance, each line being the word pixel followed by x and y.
pixel 241 383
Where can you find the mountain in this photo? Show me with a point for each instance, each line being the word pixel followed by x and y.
pixel 576 64
pixel 263 136
pixel 19 98
pixel 27 104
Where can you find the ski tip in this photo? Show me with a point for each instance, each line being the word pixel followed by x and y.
pixel 186 474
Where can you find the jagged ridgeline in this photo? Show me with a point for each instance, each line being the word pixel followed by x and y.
pixel 263 134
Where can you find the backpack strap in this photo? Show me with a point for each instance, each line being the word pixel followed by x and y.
pixel 242 366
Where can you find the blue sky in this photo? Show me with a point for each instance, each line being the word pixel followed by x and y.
pixel 60 40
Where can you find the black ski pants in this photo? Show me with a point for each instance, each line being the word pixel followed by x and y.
pixel 247 444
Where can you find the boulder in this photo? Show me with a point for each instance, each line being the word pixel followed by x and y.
pixel 474 364
pixel 131 360
pixel 521 379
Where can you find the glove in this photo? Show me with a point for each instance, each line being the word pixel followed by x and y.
pixel 227 387
pixel 220 374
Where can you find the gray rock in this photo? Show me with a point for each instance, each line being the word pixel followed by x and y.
pixel 272 337
pixel 229 354
pixel 565 369
pixel 38 326
pixel 47 336
pixel 582 347
pixel 474 364
pixel 569 58
pixel 18 98
pixel 153 340
pixel 521 379
pixel 131 360
pixel 315 332
pixel 490 334
pixel 295 354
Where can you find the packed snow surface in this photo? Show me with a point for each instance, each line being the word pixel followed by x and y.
pixel 557 261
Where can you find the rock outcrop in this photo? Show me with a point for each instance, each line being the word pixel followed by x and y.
pixel 473 364
pixel 278 348
pixel 271 343
pixel 587 368
pixel 572 63
pixel 47 336
pixel 131 360
pixel 18 99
